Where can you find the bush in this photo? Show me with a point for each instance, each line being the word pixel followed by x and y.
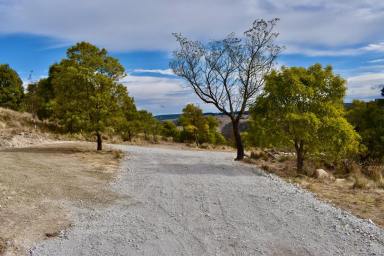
pixel 117 154
pixel 259 154
pixel 375 172
pixel 360 181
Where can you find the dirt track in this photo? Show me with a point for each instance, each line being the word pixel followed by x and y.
pixel 203 203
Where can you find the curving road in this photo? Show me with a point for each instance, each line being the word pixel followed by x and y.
pixel 177 202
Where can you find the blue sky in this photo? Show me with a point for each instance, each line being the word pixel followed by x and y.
pixel 347 34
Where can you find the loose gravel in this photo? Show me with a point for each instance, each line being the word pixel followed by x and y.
pixel 177 202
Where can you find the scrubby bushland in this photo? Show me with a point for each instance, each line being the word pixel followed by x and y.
pixel 303 109
pixel 198 128
pixel 193 127
pixel 11 88
pixel 169 130
pixel 368 120
pixel 40 96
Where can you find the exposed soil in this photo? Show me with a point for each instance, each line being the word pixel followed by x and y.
pixel 38 183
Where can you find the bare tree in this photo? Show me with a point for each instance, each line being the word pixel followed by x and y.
pixel 229 73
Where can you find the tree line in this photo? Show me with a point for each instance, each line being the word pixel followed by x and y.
pixel 299 109
pixel 83 94
pixel 296 108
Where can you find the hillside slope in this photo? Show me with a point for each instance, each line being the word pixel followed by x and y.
pixel 21 129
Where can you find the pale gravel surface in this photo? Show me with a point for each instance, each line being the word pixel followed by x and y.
pixel 203 203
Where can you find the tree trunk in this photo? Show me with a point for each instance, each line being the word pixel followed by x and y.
pixel 299 156
pixel 238 141
pixel 99 141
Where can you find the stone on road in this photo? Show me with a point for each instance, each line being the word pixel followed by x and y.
pixel 179 202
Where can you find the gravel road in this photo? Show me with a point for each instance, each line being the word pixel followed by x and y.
pixel 179 202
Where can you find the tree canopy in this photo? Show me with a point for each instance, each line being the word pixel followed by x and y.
pixel 11 88
pixel 87 90
pixel 303 109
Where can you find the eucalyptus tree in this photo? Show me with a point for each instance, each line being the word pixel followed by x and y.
pixel 229 73
pixel 304 109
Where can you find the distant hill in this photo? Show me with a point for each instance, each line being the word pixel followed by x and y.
pixel 173 117
pixel 225 125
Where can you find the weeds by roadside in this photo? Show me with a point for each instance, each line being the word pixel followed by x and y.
pixel 117 154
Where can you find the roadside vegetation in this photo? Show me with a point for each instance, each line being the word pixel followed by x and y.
pixel 300 130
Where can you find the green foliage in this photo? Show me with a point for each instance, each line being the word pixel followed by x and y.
pixel 148 124
pixel 11 88
pixel 199 128
pixel 39 97
pixel 368 119
pixel 169 129
pixel 87 93
pixel 303 109
pixel 125 120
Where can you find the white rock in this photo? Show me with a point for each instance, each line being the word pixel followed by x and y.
pixel 322 174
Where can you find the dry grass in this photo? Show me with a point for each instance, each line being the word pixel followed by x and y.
pixel 365 203
pixel 360 181
pixel 10 119
pixel 359 193
pixel 37 183
pixel 20 129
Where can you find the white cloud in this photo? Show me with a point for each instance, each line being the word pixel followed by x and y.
pixel 379 47
pixel 364 87
pixel 155 71
pixel 375 47
pixel 376 61
pixel 161 95
pixel 147 24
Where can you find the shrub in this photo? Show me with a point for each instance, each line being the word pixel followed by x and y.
pixel 259 154
pixel 375 173
pixel 360 182
pixel 117 154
